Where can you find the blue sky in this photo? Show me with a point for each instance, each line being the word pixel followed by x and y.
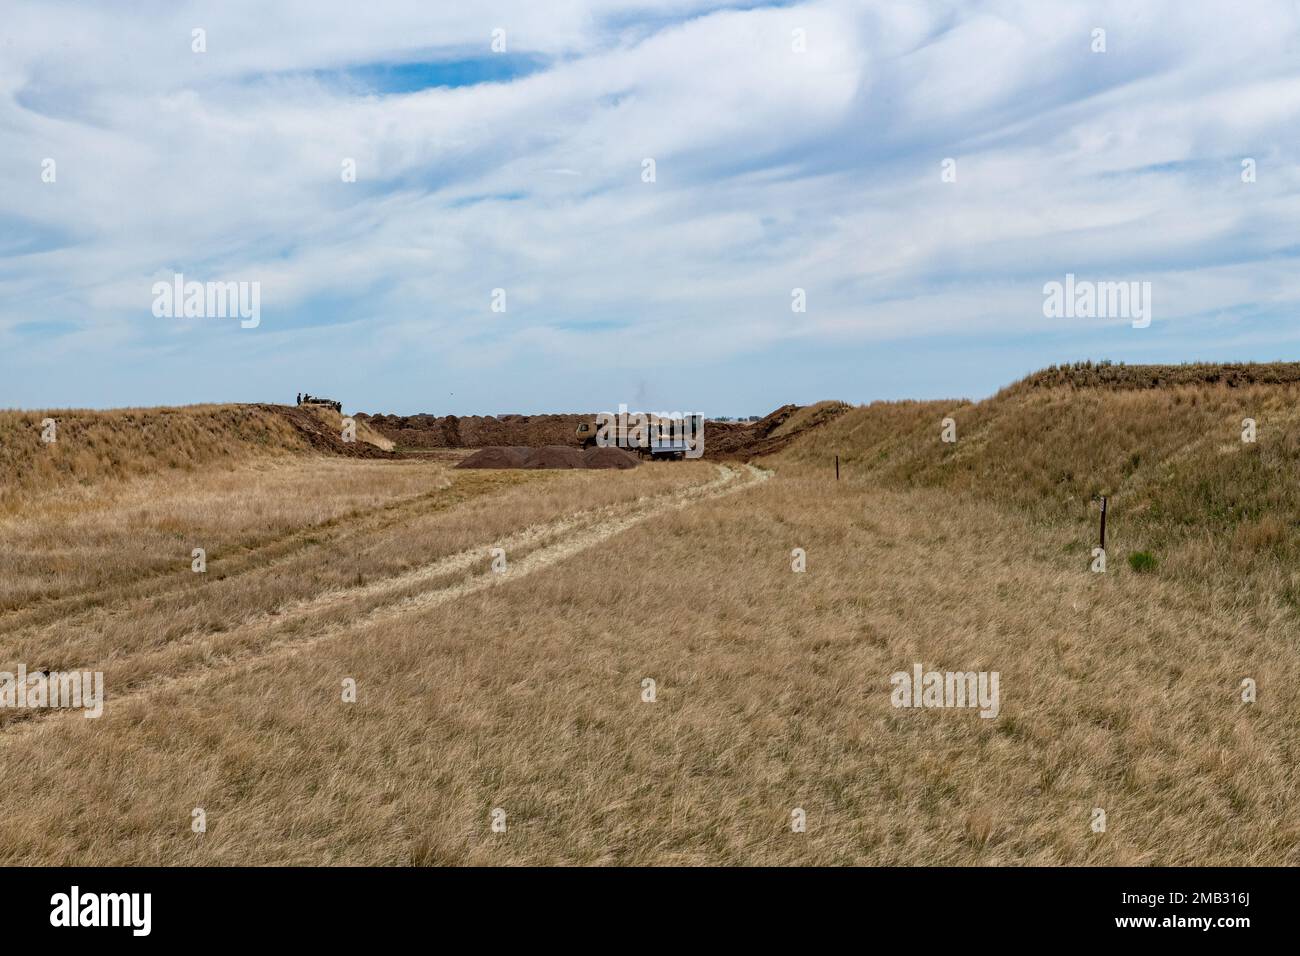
pixel 796 146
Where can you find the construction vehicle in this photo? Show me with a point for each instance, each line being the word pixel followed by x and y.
pixel 662 439
pixel 318 402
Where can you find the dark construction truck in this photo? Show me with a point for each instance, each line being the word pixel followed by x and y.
pixel 662 439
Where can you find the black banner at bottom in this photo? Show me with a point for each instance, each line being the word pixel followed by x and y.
pixel 140 906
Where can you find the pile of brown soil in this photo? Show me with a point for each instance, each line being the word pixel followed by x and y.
pixel 549 456
pixel 609 458
pixel 555 456
pixel 497 457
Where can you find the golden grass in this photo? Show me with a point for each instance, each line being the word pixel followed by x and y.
pixel 809 416
pixel 93 447
pixel 1118 692
pixel 1182 484
pixel 523 691
pixel 1121 376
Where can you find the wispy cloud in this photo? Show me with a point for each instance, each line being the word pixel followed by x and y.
pixel 524 170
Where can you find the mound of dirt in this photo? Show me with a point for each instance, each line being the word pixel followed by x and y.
pixel 555 456
pixel 496 457
pixel 609 458
pixel 549 456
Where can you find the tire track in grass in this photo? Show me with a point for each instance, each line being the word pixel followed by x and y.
pixel 142 591
pixel 576 533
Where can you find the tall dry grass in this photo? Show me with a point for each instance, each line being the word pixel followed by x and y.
pixel 1118 691
pixel 1181 482
pixel 95 448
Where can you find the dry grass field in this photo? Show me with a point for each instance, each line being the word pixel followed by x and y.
pixel 523 690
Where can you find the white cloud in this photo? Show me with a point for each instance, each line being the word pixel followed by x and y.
pixel 775 169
